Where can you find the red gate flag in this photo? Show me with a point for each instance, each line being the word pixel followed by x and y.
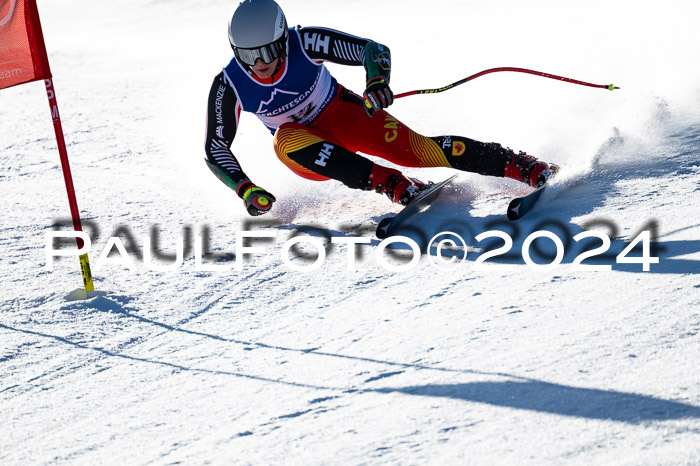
pixel 22 52
pixel 23 59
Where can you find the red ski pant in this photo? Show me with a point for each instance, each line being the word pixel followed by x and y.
pixel 344 123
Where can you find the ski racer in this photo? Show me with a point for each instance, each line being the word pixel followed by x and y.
pixel 319 126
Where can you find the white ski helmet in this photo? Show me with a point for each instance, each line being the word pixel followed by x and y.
pixel 258 29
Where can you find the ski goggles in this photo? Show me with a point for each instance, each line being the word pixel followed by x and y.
pixel 267 53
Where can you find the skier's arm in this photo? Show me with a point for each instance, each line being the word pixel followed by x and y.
pixel 377 94
pixel 223 110
pixel 324 44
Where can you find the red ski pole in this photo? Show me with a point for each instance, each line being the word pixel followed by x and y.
pixel 495 70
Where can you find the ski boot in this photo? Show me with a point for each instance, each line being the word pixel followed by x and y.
pixel 394 184
pixel 402 190
pixel 528 169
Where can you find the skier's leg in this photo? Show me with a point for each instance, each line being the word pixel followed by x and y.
pixel 385 136
pixel 314 155
pixel 493 159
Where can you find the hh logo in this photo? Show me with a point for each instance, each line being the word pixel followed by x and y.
pixel 324 154
pixel 391 125
pixel 458 148
pixel 316 42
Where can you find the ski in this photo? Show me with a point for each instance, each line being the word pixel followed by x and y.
pixel 419 204
pixel 521 206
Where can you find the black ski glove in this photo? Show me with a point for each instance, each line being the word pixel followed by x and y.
pixel 257 200
pixel 377 95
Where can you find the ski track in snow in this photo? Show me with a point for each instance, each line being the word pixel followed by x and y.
pixel 270 365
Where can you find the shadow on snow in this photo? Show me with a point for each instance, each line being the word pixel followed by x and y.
pixel 558 399
pixel 519 392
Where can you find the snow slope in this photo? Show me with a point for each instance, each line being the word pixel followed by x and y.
pixel 269 365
